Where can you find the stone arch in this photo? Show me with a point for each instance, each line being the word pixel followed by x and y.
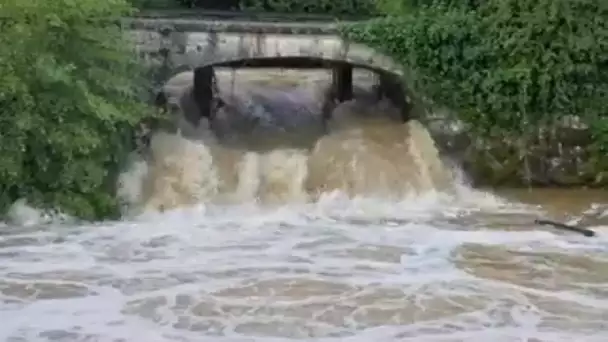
pixel 202 51
pixel 390 84
pixel 211 48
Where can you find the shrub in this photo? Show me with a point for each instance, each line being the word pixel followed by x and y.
pixel 330 7
pixel 68 100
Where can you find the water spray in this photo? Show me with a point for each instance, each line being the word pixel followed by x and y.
pixel 559 225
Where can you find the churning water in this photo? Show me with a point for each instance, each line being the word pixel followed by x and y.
pixel 360 234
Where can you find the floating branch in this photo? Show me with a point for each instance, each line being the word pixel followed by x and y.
pixel 559 225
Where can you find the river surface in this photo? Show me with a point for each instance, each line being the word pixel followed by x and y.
pixel 282 249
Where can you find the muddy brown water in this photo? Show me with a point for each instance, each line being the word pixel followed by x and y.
pixel 365 235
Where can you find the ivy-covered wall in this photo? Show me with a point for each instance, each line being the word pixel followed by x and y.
pixel 513 71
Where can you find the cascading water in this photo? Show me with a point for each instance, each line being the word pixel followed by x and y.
pixel 366 152
pixel 267 227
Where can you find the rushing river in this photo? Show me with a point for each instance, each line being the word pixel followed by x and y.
pixel 365 235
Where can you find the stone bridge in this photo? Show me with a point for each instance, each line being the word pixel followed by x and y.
pixel 179 44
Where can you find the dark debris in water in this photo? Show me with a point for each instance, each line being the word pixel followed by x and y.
pixel 563 226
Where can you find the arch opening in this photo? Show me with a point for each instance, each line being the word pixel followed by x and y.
pixel 204 90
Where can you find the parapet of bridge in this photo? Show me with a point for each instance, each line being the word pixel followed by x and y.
pixel 193 44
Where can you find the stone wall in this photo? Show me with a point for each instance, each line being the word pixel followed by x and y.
pixel 560 155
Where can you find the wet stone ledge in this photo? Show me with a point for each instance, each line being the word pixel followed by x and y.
pixel 192 49
pixel 560 156
pixel 167 50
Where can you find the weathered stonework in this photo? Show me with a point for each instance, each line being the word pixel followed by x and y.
pixel 562 155
pixel 194 43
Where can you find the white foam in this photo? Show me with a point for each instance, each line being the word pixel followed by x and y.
pixel 21 213
pixel 356 269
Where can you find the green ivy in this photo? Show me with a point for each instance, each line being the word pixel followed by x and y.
pixel 333 7
pixel 69 100
pixel 502 65
pixel 328 7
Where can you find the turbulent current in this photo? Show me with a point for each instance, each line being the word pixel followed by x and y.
pixel 269 225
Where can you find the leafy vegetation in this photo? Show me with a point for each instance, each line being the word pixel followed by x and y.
pixel 330 7
pixel 333 7
pixel 506 67
pixel 69 100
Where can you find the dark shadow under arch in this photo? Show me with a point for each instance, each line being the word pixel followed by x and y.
pixel 391 84
pixel 294 62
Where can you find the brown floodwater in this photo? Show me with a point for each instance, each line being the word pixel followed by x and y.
pixel 460 266
pixel 360 235
pixel 558 201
